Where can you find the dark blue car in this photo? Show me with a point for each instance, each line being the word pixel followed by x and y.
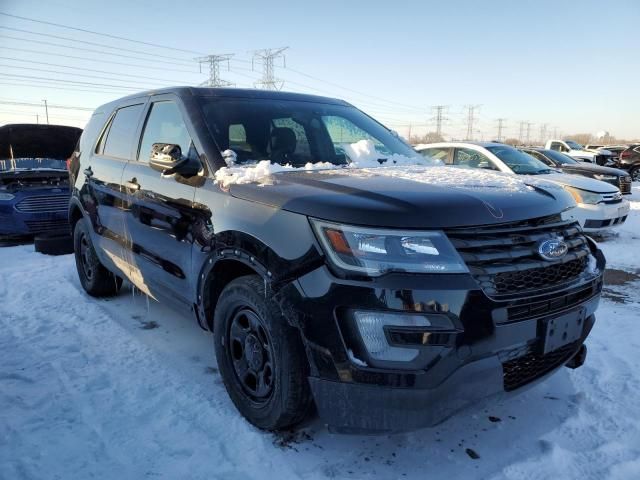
pixel 34 180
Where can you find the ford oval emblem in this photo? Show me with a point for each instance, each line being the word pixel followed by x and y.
pixel 552 249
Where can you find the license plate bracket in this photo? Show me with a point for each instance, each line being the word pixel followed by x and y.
pixel 563 330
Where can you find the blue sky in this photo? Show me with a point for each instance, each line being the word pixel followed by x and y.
pixel 573 65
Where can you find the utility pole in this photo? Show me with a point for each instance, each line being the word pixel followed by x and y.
pixel 37 119
pixel 439 117
pixel 267 56
pixel 555 132
pixel 471 118
pixel 500 128
pixel 46 109
pixel 214 62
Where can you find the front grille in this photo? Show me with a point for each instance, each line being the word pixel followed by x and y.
pixel 45 226
pixel 625 185
pixel 44 203
pixel 522 311
pixel 519 371
pixel 504 259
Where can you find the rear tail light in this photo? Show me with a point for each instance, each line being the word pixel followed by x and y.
pixel 626 154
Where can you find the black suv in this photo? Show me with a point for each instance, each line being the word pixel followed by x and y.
pixel 334 265
pixel 630 160
pixel 566 164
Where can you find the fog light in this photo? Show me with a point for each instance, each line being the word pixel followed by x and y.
pixel 371 328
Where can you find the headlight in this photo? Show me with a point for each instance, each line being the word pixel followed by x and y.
pixel 605 178
pixel 583 196
pixel 6 196
pixel 374 251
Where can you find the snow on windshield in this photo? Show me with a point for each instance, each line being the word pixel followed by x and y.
pixel 362 154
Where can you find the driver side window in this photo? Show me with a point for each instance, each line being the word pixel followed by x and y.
pixel 164 125
pixel 467 158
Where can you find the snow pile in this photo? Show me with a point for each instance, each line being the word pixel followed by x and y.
pixel 362 154
pixel 260 172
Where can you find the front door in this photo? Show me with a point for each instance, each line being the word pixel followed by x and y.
pixel 158 214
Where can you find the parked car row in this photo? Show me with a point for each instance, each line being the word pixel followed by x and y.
pixel 340 270
pixel 599 204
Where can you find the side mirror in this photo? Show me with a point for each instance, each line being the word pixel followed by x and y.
pixel 167 159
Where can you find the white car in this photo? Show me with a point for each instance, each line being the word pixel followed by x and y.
pixel 599 204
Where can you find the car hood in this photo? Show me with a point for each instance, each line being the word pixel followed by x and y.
pixel 595 169
pixel 26 141
pixel 578 181
pixel 407 197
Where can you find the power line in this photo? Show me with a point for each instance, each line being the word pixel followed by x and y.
pixel 68 81
pixel 214 61
pixel 84 69
pixel 108 35
pixel 28 104
pixel 164 69
pixel 91 50
pixel 143 85
pixel 95 44
pixel 268 57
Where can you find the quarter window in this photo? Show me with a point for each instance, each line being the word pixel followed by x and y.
pixel 119 136
pixel 164 125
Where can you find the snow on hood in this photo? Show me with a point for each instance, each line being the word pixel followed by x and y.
pixel 466 178
pixel 362 154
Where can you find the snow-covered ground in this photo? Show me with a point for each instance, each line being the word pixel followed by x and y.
pixel 126 389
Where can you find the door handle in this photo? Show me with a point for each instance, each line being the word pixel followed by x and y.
pixel 88 172
pixel 132 184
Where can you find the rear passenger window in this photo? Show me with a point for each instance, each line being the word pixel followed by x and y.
pixel 465 157
pixel 119 136
pixel 436 153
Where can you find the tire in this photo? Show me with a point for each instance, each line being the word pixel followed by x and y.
pixel 53 245
pixel 96 280
pixel 252 336
pixel 635 174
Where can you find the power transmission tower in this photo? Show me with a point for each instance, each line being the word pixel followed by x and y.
pixel 529 132
pixel 439 117
pixel 500 128
pixel 543 133
pixel 267 57
pixel 521 134
pixel 471 118
pixel 214 62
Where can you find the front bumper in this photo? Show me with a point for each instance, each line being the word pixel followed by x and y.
pixel 478 360
pixel 358 408
pixel 40 218
pixel 597 217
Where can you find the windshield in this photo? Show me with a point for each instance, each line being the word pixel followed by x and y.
pixel 518 161
pixel 289 132
pixel 32 164
pixel 559 157
pixel 574 145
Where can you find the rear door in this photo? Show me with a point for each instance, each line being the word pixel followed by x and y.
pixel 158 211
pixel 103 176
